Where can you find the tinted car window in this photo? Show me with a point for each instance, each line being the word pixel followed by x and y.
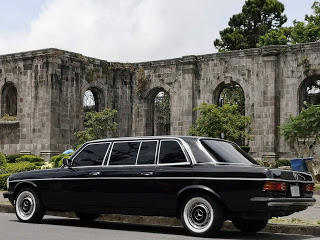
pixel 226 152
pixel 171 152
pixel 91 155
pixel 147 153
pixel 124 153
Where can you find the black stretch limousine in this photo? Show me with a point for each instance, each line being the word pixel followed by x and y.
pixel 202 181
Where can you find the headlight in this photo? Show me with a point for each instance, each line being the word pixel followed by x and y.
pixel 7 183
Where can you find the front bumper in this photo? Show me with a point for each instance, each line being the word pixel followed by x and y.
pixel 285 202
pixel 9 195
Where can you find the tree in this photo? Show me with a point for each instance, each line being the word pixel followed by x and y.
pixel 97 125
pixel 256 19
pixel 302 132
pixel 276 37
pixel 214 120
pixel 301 32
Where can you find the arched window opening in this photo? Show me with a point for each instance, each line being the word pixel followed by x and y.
pixel 232 94
pixel 91 101
pixel 161 113
pixel 9 100
pixel 312 92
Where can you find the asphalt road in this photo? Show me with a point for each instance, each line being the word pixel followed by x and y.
pixel 71 229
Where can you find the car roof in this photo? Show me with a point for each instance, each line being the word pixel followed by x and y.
pixel 155 138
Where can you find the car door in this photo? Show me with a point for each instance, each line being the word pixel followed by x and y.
pixel 128 177
pixel 79 186
pixel 174 171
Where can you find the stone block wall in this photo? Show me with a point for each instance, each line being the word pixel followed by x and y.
pixel 51 84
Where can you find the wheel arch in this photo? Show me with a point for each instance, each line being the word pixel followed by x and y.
pixel 194 189
pixel 22 185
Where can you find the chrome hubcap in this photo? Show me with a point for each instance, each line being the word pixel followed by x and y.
pixel 199 215
pixel 25 205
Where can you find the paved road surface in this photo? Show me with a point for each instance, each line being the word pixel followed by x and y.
pixel 70 229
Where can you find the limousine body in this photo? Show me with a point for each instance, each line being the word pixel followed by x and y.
pixel 202 181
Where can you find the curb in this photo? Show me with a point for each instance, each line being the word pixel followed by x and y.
pixel 173 222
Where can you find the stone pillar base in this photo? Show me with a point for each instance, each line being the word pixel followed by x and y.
pixel 269 156
pixel 25 152
pixel 47 154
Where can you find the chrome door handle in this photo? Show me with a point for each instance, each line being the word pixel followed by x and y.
pixel 147 173
pixel 94 173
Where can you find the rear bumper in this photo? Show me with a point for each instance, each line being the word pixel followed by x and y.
pixel 9 195
pixel 285 202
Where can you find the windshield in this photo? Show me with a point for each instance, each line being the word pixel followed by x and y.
pixel 225 152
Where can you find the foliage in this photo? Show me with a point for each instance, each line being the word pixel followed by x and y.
pixel 3 180
pixel 245 148
pixel 300 32
pixel 234 95
pixel 282 162
pixel 302 132
pixel 256 19
pixel 38 161
pixel 46 165
pixel 20 167
pixel 3 161
pixel 7 117
pixel 214 120
pixel 97 125
pixel 56 161
pixel 12 158
pixel 276 37
pixel 162 108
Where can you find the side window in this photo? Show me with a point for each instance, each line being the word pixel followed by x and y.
pixel 147 153
pixel 171 152
pixel 124 153
pixel 91 155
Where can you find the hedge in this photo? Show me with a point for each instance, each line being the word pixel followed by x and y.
pixel 12 158
pixel 20 167
pixel 282 162
pixel 3 161
pixel 245 148
pixel 57 160
pixel 3 180
pixel 38 161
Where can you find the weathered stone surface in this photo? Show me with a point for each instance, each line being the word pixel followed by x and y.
pixel 51 84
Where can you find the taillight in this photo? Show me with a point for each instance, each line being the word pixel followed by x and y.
pixel 309 188
pixel 275 186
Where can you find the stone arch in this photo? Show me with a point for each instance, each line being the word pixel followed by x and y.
pixel 219 100
pixel 153 127
pixel 309 91
pixel 9 99
pixel 93 99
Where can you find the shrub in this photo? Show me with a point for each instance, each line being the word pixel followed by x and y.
pixel 245 148
pixel 3 180
pixel 282 162
pixel 38 161
pixel 57 160
pixel 12 158
pixel 3 161
pixel 20 167
pixel 46 165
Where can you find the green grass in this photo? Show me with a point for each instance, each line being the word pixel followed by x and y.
pixel 317 187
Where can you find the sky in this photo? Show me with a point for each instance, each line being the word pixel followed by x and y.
pixel 123 30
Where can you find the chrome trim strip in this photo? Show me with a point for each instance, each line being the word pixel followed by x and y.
pixel 281 204
pixel 163 178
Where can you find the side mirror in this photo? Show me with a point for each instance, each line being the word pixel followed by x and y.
pixel 67 162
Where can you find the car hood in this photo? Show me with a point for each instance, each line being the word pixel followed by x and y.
pixel 34 174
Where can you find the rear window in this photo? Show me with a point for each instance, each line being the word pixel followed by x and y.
pixel 226 152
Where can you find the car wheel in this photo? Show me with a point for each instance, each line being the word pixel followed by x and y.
pixel 201 215
pixel 87 217
pixel 28 206
pixel 250 226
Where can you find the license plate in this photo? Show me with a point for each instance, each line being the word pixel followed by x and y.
pixel 295 192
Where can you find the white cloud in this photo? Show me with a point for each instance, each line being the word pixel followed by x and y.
pixel 125 30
